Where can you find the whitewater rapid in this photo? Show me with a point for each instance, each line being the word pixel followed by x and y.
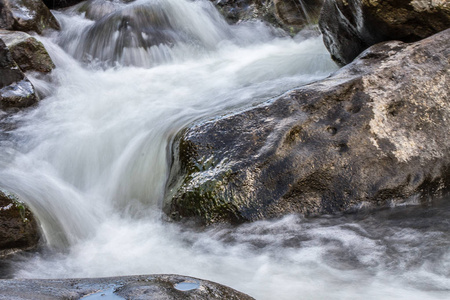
pixel 92 160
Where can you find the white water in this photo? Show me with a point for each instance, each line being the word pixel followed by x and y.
pixel 92 161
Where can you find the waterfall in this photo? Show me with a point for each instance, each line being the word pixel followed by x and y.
pixel 91 160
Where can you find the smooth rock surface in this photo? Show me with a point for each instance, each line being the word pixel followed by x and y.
pixel 351 26
pixel 296 14
pixel 16 91
pixel 26 15
pixel 373 134
pixel 156 287
pixel 18 228
pixel 28 53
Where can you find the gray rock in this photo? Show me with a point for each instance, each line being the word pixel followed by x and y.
pixel 236 11
pixel 27 52
pixel 372 134
pixel 26 15
pixel 290 15
pixel 155 287
pixel 15 89
pixel 351 26
pixel 18 228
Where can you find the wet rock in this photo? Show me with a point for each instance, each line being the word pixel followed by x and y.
pixel 18 228
pixel 97 9
pixel 16 91
pixel 351 26
pixel 26 15
pixel 289 15
pixel 236 11
pixel 156 287
pixel 372 134
pixel 295 15
pixel 27 52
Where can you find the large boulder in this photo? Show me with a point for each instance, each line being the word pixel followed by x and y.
pixel 27 52
pixel 351 26
pixel 26 15
pixel 373 134
pixel 18 228
pixel 16 91
pixel 155 287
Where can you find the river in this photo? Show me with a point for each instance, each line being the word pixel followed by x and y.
pixel 92 160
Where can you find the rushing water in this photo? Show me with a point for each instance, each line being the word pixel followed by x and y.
pixel 92 161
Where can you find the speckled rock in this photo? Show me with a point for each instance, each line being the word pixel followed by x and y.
pixel 18 228
pixel 372 134
pixel 16 91
pixel 155 287
pixel 26 15
pixel 28 53
pixel 351 26
pixel 236 11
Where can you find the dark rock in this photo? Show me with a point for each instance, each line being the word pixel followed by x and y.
pixel 26 15
pixel 372 134
pixel 351 26
pixel 27 52
pixel 55 4
pixel 155 287
pixel 15 89
pixel 235 11
pixel 18 228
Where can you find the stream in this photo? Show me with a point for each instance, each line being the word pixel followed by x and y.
pixel 92 161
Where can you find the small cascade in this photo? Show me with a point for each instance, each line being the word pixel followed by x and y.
pixel 145 33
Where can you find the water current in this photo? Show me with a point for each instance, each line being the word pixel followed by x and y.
pixel 92 160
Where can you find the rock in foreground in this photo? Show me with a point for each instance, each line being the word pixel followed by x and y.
pixel 374 133
pixel 350 26
pixel 18 228
pixel 155 287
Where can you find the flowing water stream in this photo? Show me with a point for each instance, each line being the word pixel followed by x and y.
pixel 93 158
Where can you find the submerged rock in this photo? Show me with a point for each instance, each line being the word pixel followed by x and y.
pixel 16 91
pixel 27 52
pixel 351 26
pixel 18 228
pixel 26 15
pixel 372 134
pixel 156 287
pixel 236 11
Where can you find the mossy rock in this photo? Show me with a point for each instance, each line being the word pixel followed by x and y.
pixel 18 227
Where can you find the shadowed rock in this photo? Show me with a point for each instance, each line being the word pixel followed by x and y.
pixel 18 228
pixel 26 15
pixel 373 133
pixel 155 287
pixel 350 26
